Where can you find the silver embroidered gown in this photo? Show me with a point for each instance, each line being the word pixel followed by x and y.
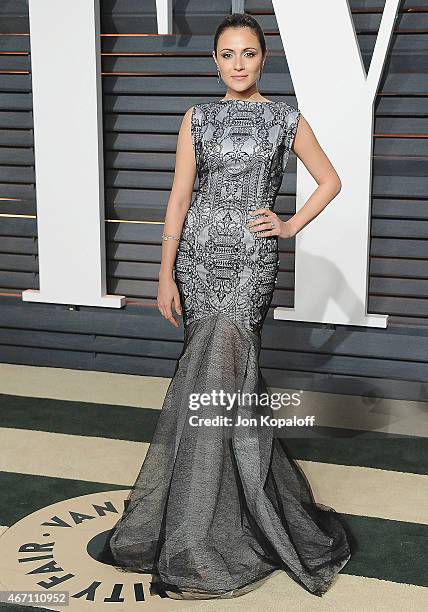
pixel 216 509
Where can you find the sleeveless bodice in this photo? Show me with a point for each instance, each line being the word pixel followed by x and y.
pixel 241 150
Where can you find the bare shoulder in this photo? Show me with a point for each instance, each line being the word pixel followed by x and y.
pixel 187 117
pixel 189 111
pixel 186 120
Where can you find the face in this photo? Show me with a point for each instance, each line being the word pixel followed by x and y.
pixel 239 59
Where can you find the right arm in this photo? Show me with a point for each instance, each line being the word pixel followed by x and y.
pixel 178 205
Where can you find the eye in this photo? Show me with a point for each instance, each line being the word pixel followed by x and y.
pixel 252 54
pixel 226 55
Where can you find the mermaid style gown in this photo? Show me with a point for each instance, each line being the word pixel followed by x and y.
pixel 216 509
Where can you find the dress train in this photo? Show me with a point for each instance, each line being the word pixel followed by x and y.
pixel 216 509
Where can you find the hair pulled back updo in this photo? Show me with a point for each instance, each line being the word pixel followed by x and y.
pixel 240 20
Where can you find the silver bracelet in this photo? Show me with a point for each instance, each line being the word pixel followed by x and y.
pixel 164 237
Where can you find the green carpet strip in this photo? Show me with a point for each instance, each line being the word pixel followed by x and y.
pixel 323 444
pixel 23 494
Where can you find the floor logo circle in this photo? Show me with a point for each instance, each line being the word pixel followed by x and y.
pixel 55 549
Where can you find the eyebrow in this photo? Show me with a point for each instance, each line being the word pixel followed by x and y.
pixel 246 49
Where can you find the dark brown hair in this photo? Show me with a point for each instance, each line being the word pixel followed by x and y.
pixel 240 20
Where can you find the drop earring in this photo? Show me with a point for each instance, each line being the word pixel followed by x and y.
pixel 218 75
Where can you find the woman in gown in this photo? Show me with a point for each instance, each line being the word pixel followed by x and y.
pixel 216 508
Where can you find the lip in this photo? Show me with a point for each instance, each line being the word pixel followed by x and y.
pixel 239 78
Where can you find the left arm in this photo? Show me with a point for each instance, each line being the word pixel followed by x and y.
pixel 309 151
